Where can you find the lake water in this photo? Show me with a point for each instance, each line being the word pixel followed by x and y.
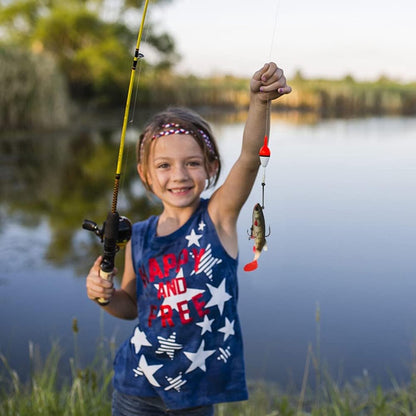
pixel 341 204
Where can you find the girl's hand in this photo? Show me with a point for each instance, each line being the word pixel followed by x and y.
pixel 269 83
pixel 97 287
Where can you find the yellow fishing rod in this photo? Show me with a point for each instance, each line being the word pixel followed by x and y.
pixel 116 230
pixel 137 56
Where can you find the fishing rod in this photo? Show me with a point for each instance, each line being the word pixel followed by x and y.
pixel 116 230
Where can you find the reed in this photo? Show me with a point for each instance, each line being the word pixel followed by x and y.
pixel 348 98
pixel 84 392
pixel 165 89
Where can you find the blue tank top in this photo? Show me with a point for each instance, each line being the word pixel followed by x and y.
pixel 187 346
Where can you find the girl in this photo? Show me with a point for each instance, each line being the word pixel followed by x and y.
pixel 180 276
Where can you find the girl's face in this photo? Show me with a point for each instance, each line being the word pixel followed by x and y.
pixel 176 170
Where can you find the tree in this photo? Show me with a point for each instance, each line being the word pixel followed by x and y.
pixel 92 48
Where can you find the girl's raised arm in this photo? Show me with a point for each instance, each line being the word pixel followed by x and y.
pixel 268 83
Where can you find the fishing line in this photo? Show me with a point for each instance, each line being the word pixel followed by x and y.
pixel 264 152
pixel 275 27
pixel 258 226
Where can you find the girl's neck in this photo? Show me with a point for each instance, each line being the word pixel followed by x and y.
pixel 171 220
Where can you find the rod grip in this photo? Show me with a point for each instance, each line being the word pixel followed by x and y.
pixel 107 276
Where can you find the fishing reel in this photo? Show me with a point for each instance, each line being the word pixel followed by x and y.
pixel 123 231
pixel 115 234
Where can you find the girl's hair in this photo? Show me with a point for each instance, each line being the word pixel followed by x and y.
pixel 183 121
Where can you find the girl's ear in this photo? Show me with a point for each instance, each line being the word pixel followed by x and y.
pixel 142 174
pixel 212 168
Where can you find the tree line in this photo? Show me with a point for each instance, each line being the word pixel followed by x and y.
pixel 60 56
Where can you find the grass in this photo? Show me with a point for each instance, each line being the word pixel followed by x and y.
pixel 87 391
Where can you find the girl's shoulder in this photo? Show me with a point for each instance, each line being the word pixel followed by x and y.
pixel 141 228
pixel 145 223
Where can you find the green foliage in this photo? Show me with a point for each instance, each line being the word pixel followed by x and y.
pixel 90 52
pixel 93 50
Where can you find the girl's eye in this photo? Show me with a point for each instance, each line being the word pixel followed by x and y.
pixel 194 163
pixel 163 166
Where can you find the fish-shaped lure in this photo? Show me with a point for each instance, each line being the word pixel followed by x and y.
pixel 258 234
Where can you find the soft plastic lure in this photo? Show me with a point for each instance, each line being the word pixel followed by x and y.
pixel 258 234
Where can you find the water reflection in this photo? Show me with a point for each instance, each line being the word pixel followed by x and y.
pixel 340 202
pixel 62 178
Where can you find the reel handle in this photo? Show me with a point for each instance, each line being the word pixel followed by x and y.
pixel 110 249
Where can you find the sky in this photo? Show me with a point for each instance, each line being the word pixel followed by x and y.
pixel 321 38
